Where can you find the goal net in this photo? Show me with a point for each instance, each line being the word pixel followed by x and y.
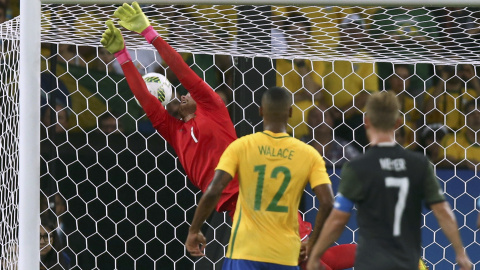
pixel 9 112
pixel 113 192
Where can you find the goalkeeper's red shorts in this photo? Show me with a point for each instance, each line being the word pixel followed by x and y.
pixel 304 228
pixel 337 257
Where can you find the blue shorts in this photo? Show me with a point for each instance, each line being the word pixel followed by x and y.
pixel 234 264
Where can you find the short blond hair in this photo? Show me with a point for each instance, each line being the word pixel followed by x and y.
pixel 383 110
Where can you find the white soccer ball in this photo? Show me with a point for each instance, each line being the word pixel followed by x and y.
pixel 159 86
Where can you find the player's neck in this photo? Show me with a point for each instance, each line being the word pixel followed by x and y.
pixel 275 127
pixel 188 117
pixel 377 136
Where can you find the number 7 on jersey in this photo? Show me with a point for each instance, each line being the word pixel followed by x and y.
pixel 402 184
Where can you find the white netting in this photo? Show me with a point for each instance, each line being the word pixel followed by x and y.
pixel 117 189
pixel 9 110
pixel 418 36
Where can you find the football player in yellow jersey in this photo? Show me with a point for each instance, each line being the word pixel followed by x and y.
pixel 273 170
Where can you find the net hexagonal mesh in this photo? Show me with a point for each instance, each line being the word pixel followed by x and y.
pixel 117 191
pixel 9 112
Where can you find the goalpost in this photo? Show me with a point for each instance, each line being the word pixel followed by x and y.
pixel 29 133
pixel 121 222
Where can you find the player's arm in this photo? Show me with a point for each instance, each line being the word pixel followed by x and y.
pixel 112 40
pixel 331 231
pixel 201 92
pixel 338 218
pixel 133 18
pixel 446 220
pixel 324 195
pixel 322 187
pixel 435 200
pixel 196 242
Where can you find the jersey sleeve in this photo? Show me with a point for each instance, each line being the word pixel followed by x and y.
pixel 318 174
pixel 154 109
pixel 349 187
pixel 200 91
pixel 433 193
pixel 229 160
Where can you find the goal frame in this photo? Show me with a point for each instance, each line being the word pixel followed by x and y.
pixel 29 80
pixel 29 136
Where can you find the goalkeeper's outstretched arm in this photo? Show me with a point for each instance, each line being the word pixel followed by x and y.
pixel 113 41
pixel 133 19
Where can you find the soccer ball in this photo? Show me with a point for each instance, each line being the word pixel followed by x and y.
pixel 159 86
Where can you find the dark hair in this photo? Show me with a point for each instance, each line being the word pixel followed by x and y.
pixel 278 96
pixel 276 103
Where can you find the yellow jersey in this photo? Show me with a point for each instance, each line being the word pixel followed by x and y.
pixel 273 170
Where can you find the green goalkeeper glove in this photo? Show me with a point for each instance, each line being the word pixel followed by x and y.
pixel 112 39
pixel 132 17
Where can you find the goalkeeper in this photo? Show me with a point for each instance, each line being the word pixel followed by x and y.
pixel 204 130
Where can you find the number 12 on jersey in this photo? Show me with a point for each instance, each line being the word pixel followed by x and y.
pixel 402 184
pixel 273 206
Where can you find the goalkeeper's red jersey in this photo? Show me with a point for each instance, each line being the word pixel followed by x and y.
pixel 200 142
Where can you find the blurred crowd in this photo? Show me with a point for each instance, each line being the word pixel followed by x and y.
pixel 328 95
pixel 438 101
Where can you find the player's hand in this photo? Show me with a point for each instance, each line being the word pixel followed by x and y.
pixel 195 244
pixel 132 17
pixel 314 264
pixel 303 252
pixel 464 262
pixel 112 38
